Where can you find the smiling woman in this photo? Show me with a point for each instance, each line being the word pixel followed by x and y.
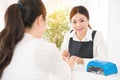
pixel 83 41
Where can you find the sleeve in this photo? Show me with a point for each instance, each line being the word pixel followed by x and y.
pixel 65 42
pixel 58 67
pixel 100 49
pixel 49 60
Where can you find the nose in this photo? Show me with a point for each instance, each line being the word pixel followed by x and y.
pixel 78 24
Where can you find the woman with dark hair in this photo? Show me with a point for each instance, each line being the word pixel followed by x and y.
pixel 24 55
pixel 82 41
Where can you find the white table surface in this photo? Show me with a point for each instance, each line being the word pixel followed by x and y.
pixel 80 73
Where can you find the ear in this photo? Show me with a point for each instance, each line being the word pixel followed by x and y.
pixel 40 20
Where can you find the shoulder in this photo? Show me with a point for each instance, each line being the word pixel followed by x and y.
pixel 70 33
pixel 99 37
pixel 46 51
pixel 98 34
pixel 46 44
pixel 47 47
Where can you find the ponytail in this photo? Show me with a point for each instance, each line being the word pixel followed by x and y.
pixel 10 35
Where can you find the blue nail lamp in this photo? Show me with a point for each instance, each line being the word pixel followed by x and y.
pixel 102 67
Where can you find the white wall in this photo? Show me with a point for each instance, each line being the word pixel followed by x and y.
pixel 114 30
pixel 3 6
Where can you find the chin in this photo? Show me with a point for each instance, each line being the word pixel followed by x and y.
pixel 79 32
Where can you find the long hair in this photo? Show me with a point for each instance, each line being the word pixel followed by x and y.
pixel 79 9
pixel 17 17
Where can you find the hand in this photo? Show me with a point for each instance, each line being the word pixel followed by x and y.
pixel 71 61
pixel 79 60
pixel 65 55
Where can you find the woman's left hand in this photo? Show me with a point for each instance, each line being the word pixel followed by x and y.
pixel 80 60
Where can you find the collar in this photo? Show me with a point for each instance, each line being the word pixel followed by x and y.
pixel 88 36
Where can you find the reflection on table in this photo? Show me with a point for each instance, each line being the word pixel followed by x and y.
pixel 79 73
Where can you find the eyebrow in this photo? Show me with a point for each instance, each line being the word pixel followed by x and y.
pixel 79 19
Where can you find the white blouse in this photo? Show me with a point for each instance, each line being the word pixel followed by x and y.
pixel 100 50
pixel 36 59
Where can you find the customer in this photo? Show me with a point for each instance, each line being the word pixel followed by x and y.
pixel 82 41
pixel 24 55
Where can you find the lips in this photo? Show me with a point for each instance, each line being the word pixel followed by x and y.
pixel 79 29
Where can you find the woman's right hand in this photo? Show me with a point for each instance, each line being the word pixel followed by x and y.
pixel 65 55
pixel 71 61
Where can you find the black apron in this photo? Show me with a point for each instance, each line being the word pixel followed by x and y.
pixel 81 49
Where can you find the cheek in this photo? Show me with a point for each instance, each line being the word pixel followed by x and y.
pixel 45 24
pixel 73 27
pixel 44 27
pixel 85 25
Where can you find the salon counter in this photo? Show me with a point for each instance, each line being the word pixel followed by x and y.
pixel 79 73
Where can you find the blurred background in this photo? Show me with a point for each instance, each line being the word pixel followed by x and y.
pixel 104 17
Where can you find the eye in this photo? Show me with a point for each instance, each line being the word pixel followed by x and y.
pixel 73 21
pixel 82 20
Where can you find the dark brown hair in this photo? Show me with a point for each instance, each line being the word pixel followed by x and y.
pixel 79 9
pixel 17 17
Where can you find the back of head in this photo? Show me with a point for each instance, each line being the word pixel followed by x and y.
pixel 30 10
pixel 17 17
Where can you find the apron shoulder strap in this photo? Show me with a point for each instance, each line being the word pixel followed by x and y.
pixel 71 31
pixel 93 35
